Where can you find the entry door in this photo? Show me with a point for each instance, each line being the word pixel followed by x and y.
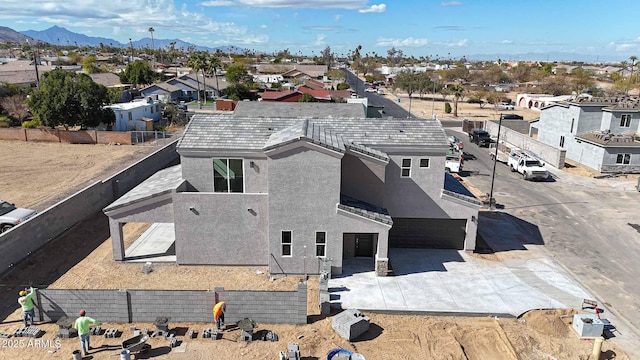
pixel 364 245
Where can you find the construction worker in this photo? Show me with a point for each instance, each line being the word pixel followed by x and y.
pixel 83 323
pixel 218 314
pixel 27 305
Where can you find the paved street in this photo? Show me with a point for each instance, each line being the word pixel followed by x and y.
pixel 390 108
pixel 586 224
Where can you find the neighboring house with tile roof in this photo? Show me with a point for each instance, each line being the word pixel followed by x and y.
pixel 601 133
pixel 165 91
pixel 292 192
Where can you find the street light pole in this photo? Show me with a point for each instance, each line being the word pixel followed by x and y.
pixel 495 161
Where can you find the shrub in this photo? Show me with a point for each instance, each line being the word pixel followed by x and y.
pixel 343 86
pixel 447 108
pixel 29 124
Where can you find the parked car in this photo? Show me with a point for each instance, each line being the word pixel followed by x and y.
pixel 480 137
pixel 370 89
pixel 512 117
pixel 11 216
pixel 505 106
pixel 380 92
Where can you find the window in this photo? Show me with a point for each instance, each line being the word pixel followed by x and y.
pixel 572 121
pixel 623 159
pixel 228 175
pixel 625 120
pixel 405 170
pixel 424 163
pixel 286 243
pixel 151 108
pixel 321 243
pixel 130 116
pixel 561 141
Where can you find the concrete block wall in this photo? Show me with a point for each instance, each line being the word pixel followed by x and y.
pixel 18 243
pixel 72 137
pixel 122 306
pixel 275 307
pixel 102 305
pixel 552 155
pixel 179 305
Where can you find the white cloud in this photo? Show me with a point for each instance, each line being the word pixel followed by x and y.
pixel 337 17
pixel 622 47
pixel 408 42
pixel 451 3
pixel 374 9
pixel 298 4
pixel 263 26
pixel 217 3
pixel 319 40
pixel 506 42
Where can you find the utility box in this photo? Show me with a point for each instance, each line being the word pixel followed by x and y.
pixel 587 325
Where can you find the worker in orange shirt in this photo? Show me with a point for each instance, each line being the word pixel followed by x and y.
pixel 218 314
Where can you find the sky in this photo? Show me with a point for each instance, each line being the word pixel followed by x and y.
pixel 442 29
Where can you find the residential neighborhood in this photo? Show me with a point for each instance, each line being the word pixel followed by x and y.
pixel 330 201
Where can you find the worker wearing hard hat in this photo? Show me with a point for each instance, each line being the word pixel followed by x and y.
pixel 83 324
pixel 218 314
pixel 25 300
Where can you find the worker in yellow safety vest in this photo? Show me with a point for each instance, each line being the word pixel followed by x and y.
pixel 218 314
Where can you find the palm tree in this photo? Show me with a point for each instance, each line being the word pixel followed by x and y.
pixel 153 47
pixel 195 62
pixel 457 91
pixel 633 59
pixel 214 65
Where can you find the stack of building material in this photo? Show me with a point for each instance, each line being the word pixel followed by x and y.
pixel 350 324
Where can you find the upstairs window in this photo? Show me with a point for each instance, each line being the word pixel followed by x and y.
pixel 424 163
pixel 321 243
pixel 405 168
pixel 623 159
pixel 130 116
pixel 228 175
pixel 625 120
pixel 286 243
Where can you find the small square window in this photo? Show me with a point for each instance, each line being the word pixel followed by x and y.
pixel 405 170
pixel 321 244
pixel 625 120
pixel 286 243
pixel 424 163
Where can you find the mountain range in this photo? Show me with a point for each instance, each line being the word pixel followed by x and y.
pixel 57 35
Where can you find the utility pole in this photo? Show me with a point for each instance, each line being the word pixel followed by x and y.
pixel 131 45
pixel 35 62
pixel 495 161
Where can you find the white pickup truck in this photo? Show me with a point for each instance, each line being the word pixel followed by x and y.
pixel 453 162
pixel 11 216
pixel 530 168
pixel 503 153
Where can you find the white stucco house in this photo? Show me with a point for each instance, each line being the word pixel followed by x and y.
pixel 136 115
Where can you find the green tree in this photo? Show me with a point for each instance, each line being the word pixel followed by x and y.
pixel 213 66
pixel 343 86
pixel 408 81
pixel 276 85
pixel 196 62
pixel 89 65
pixel 447 108
pixel 236 74
pixel 307 98
pixel 457 91
pixel 138 73
pixel 335 74
pixel 70 99
pixel 238 92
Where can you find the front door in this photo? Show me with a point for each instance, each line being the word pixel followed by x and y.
pixel 364 245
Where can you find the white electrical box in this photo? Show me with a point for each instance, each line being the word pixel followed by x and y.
pixel 587 325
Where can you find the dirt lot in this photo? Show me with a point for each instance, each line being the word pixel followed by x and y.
pixel 81 258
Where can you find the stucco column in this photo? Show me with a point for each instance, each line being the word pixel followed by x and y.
pixel 117 239
pixel 382 253
pixel 471 232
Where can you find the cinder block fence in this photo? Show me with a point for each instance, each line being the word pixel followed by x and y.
pixel 123 306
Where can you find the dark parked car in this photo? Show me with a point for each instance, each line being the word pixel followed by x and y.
pixel 512 117
pixel 480 137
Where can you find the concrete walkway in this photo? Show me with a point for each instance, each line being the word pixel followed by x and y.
pixel 156 244
pixel 451 281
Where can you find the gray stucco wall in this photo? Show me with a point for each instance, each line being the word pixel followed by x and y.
pixel 609 160
pixel 221 228
pixel 588 119
pixel 611 121
pixel 415 197
pixel 199 171
pixel 18 243
pixel 122 306
pixel 363 179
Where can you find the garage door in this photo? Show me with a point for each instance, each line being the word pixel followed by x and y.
pixel 428 233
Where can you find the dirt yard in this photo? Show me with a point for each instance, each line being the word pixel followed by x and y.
pixel 81 258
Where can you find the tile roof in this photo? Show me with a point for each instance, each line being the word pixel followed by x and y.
pixel 365 209
pixel 162 182
pixel 298 110
pixel 320 94
pixel 611 140
pixel 229 133
pixel 272 95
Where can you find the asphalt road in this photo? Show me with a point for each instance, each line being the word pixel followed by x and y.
pixel 586 224
pixel 390 107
